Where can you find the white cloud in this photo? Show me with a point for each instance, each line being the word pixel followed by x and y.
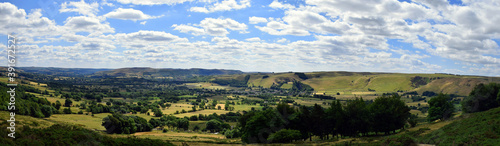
pixel 80 7
pixel 278 5
pixel 186 29
pixel 87 24
pixel 143 22
pixel 225 5
pixel 213 27
pixel 256 20
pixel 143 38
pixel 129 14
pixel 153 2
pixel 282 40
pixel 14 20
pixel 254 39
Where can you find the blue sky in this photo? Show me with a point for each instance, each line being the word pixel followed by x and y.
pixel 410 36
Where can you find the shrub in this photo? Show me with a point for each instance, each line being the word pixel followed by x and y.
pixel 285 136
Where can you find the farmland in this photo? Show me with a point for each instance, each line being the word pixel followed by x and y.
pixel 203 100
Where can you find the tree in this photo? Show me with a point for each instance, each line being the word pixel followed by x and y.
pixel 357 118
pixel 157 112
pixel 260 125
pixel 389 113
pixel 58 105
pixel 83 105
pixel 216 126
pixel 193 118
pixel 68 102
pixel 182 123
pixel 67 111
pixel 202 104
pixel 481 98
pixel 47 110
pixel 334 118
pixel 196 128
pixel 318 121
pixel 284 136
pixel 226 106
pixel 440 108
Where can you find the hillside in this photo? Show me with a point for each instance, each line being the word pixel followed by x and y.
pixel 481 128
pixel 145 72
pixel 331 83
pixel 69 72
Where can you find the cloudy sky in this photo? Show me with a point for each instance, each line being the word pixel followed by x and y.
pixel 410 36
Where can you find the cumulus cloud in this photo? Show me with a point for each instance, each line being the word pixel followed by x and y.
pixel 87 24
pixel 153 2
pixel 225 5
pixel 254 39
pixel 129 14
pixel 213 27
pixel 80 7
pixel 256 20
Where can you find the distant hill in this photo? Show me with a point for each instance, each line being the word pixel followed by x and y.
pixel 146 72
pixel 356 82
pixel 68 72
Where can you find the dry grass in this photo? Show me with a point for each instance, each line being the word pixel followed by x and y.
pixel 86 121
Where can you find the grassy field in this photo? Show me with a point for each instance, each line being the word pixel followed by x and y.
pixel 349 83
pixel 482 128
pixel 26 120
pixel 87 121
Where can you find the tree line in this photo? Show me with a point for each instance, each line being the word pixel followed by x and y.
pixel 355 118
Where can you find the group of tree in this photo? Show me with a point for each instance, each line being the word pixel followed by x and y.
pixel 483 97
pixel 58 134
pixel 171 122
pixel 440 107
pixel 233 82
pixel 118 123
pixel 356 118
pixel 26 103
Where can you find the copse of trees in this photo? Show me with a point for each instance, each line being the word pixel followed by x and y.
pixel 26 103
pixel 356 118
pixel 117 123
pixel 216 126
pixel 440 107
pixel 483 97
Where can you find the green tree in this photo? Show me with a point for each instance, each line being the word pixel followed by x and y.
pixel 157 112
pixel 58 105
pixel 440 108
pixel 481 98
pixel 67 111
pixel 216 126
pixel 260 125
pixel 357 118
pixel 389 113
pixel 334 118
pixel 284 136
pixel 47 111
pixel 68 102
pixel 318 118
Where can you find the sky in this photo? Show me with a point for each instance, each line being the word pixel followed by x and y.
pixel 406 36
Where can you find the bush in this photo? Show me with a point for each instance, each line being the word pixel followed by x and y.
pixel 482 98
pixel 285 136
pixel 67 111
pixel 440 108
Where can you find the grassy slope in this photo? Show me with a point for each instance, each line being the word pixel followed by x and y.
pixel 481 128
pixel 349 82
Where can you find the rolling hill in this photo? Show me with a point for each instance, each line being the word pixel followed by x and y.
pixel 146 72
pixel 362 82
